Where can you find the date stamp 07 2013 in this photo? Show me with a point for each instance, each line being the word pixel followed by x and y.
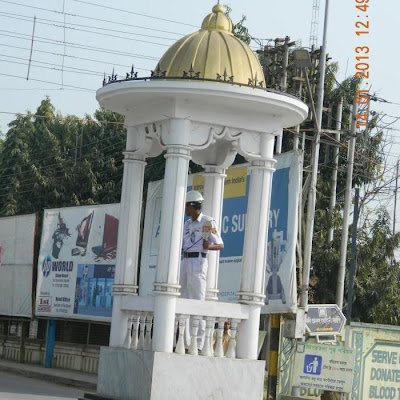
pixel 362 60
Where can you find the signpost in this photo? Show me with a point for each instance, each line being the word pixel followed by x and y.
pixel 323 367
pixel 324 319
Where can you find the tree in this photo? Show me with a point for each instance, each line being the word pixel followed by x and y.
pixel 239 29
pixel 51 161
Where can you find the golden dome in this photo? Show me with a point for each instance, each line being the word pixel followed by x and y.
pixel 212 53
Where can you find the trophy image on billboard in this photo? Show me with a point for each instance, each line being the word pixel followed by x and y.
pixel 59 235
pixel 83 236
pixel 276 251
pixel 108 249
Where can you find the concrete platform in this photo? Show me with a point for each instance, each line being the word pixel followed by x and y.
pixel 147 375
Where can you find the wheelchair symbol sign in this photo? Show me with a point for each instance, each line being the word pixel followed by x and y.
pixel 312 364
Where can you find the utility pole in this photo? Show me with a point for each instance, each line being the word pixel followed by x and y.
pixel 346 209
pixel 314 169
pixel 395 197
pixel 285 62
pixel 353 263
pixel 317 116
pixel 332 201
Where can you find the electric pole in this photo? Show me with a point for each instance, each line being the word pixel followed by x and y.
pixel 395 197
pixel 314 169
pixel 353 263
pixel 346 209
pixel 332 201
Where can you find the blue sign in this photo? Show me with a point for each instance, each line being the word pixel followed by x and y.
pixel 233 226
pixel 312 364
pixel 93 292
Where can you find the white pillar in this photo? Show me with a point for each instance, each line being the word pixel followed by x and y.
pixel 247 343
pixel 175 138
pixel 252 284
pixel 214 178
pixel 125 281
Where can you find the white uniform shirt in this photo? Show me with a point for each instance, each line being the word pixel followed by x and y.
pixel 194 232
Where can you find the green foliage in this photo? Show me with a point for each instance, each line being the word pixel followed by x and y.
pixel 48 161
pixel 377 283
pixel 239 29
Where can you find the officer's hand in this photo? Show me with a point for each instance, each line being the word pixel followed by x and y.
pixel 206 244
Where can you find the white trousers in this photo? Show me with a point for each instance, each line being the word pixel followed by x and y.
pixel 193 279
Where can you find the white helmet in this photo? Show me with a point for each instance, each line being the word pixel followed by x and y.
pixel 194 197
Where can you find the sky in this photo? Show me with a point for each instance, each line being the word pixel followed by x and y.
pixel 77 41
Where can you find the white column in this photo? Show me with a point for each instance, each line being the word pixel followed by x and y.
pixel 175 138
pixel 247 343
pixel 252 284
pixel 125 281
pixel 214 178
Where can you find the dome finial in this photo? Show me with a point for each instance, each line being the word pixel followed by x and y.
pixel 217 20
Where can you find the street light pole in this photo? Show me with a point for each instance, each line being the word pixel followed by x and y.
pixel 314 169
pixel 317 117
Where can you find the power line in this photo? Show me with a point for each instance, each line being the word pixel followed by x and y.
pixel 81 47
pixel 76 70
pixel 75 57
pixel 46 40
pixel 49 82
pixel 87 31
pixel 87 17
pixel 135 13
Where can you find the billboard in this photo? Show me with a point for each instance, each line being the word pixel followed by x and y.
pixel 76 262
pixel 377 367
pixel 282 233
pixel 17 235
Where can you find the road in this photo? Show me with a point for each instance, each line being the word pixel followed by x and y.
pixel 18 387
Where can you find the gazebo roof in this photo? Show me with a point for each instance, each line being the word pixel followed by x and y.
pixel 212 53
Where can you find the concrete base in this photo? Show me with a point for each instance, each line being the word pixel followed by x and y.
pixel 147 375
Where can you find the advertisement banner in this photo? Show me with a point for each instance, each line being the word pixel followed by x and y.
pixel 282 233
pixel 76 262
pixel 17 235
pixel 377 368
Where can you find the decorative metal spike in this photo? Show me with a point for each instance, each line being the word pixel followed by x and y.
pixel 225 75
pixel 133 74
pixel 191 74
pixel 158 73
pixel 104 79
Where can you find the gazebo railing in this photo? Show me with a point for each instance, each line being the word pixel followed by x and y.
pixel 188 316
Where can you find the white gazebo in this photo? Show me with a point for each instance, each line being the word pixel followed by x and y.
pixel 205 101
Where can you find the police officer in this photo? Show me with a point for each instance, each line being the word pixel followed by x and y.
pixel 200 235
